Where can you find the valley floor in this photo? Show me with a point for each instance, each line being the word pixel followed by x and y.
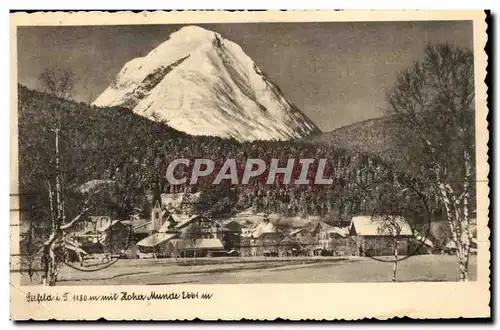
pixel 260 270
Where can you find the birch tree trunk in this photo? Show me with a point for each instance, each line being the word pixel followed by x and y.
pixel 460 226
pixel 395 263
pixel 463 265
pixel 49 259
pixel 466 237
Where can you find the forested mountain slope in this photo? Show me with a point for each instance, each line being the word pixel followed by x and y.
pixel 374 136
pixel 119 145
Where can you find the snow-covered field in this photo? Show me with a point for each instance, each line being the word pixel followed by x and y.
pixel 271 270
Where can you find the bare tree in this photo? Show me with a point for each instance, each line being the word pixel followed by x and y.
pixel 399 204
pixel 29 249
pixel 189 239
pixel 58 82
pixel 441 235
pixel 154 244
pixel 433 104
pixel 393 225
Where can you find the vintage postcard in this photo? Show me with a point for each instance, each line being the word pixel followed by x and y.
pixel 298 165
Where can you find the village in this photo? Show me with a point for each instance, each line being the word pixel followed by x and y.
pixel 173 231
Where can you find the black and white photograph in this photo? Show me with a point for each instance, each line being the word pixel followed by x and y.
pixel 247 153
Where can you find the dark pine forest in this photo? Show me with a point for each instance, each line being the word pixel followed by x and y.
pixel 132 151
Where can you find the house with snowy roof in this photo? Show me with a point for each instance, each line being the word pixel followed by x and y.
pixel 191 232
pixel 204 247
pixel 379 236
pixel 332 239
pixel 263 240
pixel 104 230
pixel 155 245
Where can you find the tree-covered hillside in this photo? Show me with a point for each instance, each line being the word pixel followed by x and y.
pixel 116 144
pixel 373 136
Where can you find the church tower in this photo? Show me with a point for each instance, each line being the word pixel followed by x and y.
pixel 156 211
pixel 156 215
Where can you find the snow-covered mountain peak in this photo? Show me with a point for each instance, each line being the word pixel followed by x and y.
pixel 203 84
pixel 193 32
pixel 187 39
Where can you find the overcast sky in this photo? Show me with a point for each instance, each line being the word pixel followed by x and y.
pixel 336 73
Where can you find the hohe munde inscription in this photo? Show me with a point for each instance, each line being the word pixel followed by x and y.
pixel 292 171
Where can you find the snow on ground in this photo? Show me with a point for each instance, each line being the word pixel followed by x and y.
pixel 267 270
